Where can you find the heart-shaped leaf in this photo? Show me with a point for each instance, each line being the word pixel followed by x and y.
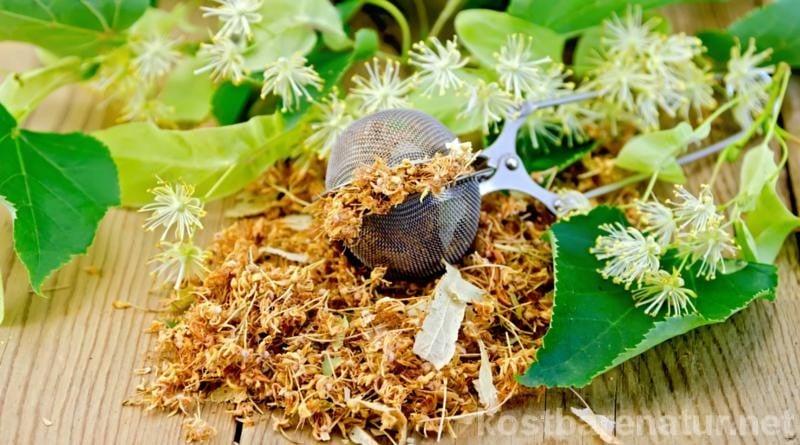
pixel 69 27
pixel 61 186
pixel 595 325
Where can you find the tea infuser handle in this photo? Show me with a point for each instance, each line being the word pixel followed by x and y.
pixel 510 174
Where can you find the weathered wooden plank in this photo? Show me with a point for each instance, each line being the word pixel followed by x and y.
pixel 67 360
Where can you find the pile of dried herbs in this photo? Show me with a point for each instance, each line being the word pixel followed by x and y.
pixel 285 324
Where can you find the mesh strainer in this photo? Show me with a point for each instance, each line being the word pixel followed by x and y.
pixel 414 238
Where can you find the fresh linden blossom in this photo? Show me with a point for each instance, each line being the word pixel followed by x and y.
pixel 643 73
pixel 174 205
pixel 708 247
pixel 658 221
pixel 224 60
pixel 629 36
pixel 439 65
pixel 746 78
pixel 237 16
pixel 333 122
pixel 155 56
pixel 489 102
pixel 662 288
pixel 630 255
pixel 695 213
pixel 289 79
pixel 520 71
pixel 381 90
pixel 179 261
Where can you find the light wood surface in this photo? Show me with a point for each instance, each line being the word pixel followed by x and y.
pixel 67 361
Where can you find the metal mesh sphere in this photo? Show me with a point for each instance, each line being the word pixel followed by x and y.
pixel 392 135
pixel 415 237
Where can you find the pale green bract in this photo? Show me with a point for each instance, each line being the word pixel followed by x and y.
pixel 21 93
pixel 218 161
pixel 766 221
pixel 657 151
pixel 186 94
pixel 69 27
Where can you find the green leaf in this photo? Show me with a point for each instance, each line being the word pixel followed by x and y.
pixel 366 44
pixel 61 186
pixel 229 102
pixel 21 93
pixel 596 326
pixel 573 16
pixel 290 26
pixel 776 26
pixel 348 8
pixel 269 46
pixel 69 27
pixel 758 170
pixel 2 300
pixel 550 155
pixel 449 108
pixel 220 160
pixel 656 152
pixel 769 224
pixel 483 32
pixel 188 95
pixel 767 220
pixel 587 51
pixel 718 45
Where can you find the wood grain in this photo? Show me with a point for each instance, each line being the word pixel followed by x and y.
pixel 67 360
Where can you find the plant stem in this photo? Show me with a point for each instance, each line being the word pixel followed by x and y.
pixel 422 16
pixel 650 185
pixel 398 16
pixel 683 160
pixel 450 8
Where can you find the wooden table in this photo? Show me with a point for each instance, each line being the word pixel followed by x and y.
pixel 67 361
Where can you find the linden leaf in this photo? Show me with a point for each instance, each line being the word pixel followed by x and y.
pixel 572 16
pixel 69 27
pixel 595 325
pixel 229 102
pixel 61 186
pixel 436 341
pixel 774 26
pixel 290 26
pixel 219 160
pixel 483 32
pixel 550 155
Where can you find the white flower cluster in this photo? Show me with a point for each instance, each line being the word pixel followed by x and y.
pixel 287 77
pixel 692 225
pixel 441 68
pixel 174 206
pixel 642 73
pixel 748 80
